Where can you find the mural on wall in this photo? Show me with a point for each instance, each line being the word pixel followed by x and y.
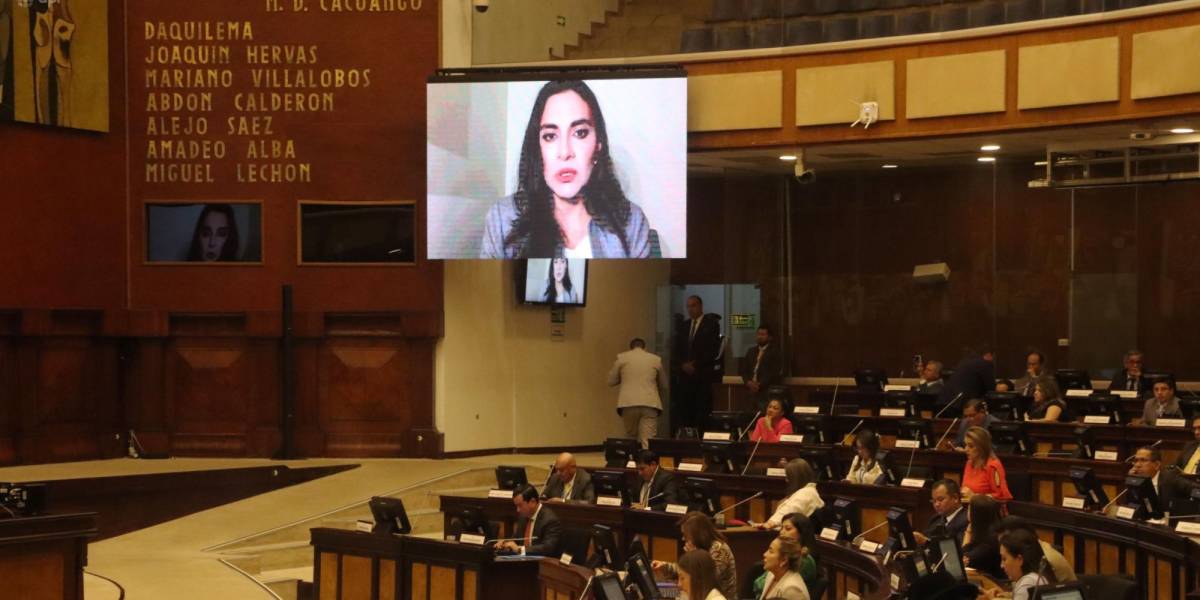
pixel 55 57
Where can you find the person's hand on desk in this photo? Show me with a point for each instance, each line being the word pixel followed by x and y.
pixel 920 538
pixel 508 546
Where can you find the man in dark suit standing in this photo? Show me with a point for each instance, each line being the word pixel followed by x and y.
pixel 538 528
pixel 760 367
pixel 697 344
pixel 1131 377
pixel 1189 458
pixel 951 517
pixel 973 377
pixel 658 486
pixel 568 483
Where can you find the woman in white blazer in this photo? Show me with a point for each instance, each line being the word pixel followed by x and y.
pixel 781 562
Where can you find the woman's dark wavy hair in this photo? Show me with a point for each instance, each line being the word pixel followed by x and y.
pixel 534 231
pixel 550 294
pixel 230 250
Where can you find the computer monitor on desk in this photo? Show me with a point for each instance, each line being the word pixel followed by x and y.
pixel 1103 404
pixel 1141 497
pixel 822 463
pixel 899 400
pixel 816 429
pixel 1007 406
pixel 605 550
pixel 390 516
pixel 608 587
pixel 469 520
pixel 843 513
pixel 732 422
pixel 723 457
pixel 619 452
pixel 1010 438
pixel 900 529
pixel 701 494
pixel 510 478
pixel 1058 591
pixel 1088 488
pixel 1073 379
pixel 870 380
pixel 611 484
pixel 915 430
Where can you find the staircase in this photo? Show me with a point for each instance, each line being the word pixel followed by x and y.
pixel 640 28
pixel 282 558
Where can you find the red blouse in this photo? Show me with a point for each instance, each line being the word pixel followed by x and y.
pixel 771 435
pixel 989 480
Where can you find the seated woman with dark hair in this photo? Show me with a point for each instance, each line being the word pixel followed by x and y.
pixel 698 576
pixel 799 528
pixel 1047 405
pixel 699 533
pixel 1020 555
pixel 864 468
pixel 981 549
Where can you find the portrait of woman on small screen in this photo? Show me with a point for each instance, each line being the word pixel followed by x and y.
pixel 568 202
pixel 215 237
pixel 558 284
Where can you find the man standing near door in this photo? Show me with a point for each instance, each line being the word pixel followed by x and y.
pixel 697 345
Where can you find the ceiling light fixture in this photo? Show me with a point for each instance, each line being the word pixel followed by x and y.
pixel 889 166
pixel 787 157
pixel 1183 130
pixel 986 159
pixel 990 147
pixel 1040 163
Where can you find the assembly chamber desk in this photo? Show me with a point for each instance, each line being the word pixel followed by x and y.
pixel 42 557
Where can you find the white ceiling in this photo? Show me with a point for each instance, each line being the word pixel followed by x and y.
pixel 1019 146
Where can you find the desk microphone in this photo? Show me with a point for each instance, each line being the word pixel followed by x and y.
pixel 753 422
pixel 944 556
pixel 837 381
pixel 911 456
pixel 1134 455
pixel 851 432
pixel 949 404
pixel 587 587
pixel 547 482
pixel 733 506
pixel 948 430
pixel 1114 500
pixel 858 538
pixel 1182 517
pixel 751 457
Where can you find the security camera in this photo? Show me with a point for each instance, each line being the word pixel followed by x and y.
pixel 480 5
pixel 803 175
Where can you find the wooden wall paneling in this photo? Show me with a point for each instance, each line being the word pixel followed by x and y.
pixel 145 392
pixel 10 391
pixel 211 385
pixel 1168 267
pixel 309 436
pixel 366 393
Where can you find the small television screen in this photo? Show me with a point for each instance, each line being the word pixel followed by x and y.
pixel 212 233
pixel 357 232
pixel 553 281
pixel 390 516
pixel 585 163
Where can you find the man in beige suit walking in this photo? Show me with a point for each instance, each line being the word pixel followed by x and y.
pixel 642 379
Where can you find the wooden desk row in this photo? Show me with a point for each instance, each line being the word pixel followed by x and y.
pixel 42 557
pixel 848 569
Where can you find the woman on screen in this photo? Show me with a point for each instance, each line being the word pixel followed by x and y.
pixel 568 200
pixel 558 284
pixel 215 237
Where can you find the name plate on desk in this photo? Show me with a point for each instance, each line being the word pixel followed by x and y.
pixel 776 472
pixel 1187 528
pixel 693 467
pixel 806 410
pixel 897 388
pixel 912 482
pixel 500 494
pixel 1097 419
pixel 829 533
pixel 868 546
pixel 1164 422
pixel 1078 393
pixel 566 558
pixel 631 465
pixel 1125 393
pixel 364 526
pixel 895 581
pixel 908 443
pixel 471 538
pixel 608 500
pixel 719 436
pixel 1073 503
pixel 794 438
pixel 1105 455
pixel 677 509
pixel 1125 512
pixel 892 412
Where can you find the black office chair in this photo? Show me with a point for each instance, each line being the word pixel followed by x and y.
pixel 817 589
pixel 746 591
pixel 1109 587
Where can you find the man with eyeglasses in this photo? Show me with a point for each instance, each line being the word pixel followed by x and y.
pixel 1168 483
pixel 1131 377
pixel 951 519
pixel 975 414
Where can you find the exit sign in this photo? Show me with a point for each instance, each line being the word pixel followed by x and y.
pixel 742 321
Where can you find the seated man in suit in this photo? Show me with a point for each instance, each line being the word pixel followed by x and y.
pixel 568 483
pixel 931 378
pixel 975 414
pixel 1168 483
pixel 761 366
pixel 1164 404
pixel 1130 378
pixel 659 486
pixel 1034 370
pixel 1189 457
pixel 537 526
pixel 951 517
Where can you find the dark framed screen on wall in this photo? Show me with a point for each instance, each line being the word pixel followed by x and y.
pixel 208 233
pixel 357 232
